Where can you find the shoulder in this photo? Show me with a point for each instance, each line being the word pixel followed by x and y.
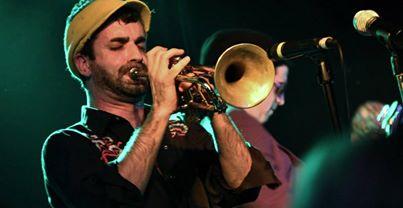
pixel 63 139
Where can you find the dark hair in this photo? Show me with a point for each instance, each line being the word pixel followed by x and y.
pixel 219 41
pixel 126 14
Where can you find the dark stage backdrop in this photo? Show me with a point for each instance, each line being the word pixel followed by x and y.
pixel 37 96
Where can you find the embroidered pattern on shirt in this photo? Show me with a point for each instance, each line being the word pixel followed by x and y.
pixel 109 149
pixel 177 128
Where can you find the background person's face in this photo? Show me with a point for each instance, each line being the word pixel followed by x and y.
pixel 264 110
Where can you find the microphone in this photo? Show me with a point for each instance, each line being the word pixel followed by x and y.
pixel 368 23
pixel 293 49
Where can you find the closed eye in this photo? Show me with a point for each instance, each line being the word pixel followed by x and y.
pixel 116 47
pixel 118 43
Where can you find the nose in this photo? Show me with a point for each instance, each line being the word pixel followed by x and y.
pixel 280 99
pixel 135 53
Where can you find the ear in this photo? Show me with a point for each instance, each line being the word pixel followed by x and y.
pixel 83 65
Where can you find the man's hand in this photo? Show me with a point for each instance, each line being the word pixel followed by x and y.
pixel 162 79
pixel 138 158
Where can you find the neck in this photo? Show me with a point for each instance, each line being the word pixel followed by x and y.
pixel 132 111
pixel 253 112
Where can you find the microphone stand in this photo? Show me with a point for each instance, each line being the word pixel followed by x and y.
pixel 325 80
pixel 394 43
pixel 394 62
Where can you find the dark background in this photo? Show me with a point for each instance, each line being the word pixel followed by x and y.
pixel 37 96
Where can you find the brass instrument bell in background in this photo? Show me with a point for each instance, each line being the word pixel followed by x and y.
pixel 244 75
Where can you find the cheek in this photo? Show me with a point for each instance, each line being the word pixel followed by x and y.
pixel 110 60
pixel 112 56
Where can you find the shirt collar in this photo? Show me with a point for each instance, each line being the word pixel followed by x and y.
pixel 98 121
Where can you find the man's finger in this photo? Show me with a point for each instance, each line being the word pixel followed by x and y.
pixel 177 68
pixel 155 49
pixel 170 54
pixel 174 52
pixel 184 86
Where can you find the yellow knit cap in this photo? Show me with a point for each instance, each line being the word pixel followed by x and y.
pixel 90 18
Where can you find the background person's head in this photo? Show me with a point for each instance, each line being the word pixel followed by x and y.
pixel 218 42
pixel 365 124
pixel 338 173
pixel 104 39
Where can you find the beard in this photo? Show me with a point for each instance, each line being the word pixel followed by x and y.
pixel 118 85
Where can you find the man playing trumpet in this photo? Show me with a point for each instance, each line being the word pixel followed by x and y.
pixel 123 154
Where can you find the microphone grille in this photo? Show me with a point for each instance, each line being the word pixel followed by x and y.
pixel 363 19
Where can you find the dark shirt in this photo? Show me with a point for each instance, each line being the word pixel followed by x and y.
pixel 80 170
pixel 282 160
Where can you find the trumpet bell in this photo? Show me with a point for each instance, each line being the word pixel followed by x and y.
pixel 244 75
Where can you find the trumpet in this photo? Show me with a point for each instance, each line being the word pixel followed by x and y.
pixel 243 78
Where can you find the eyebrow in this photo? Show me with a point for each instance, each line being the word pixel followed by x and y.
pixel 139 40
pixel 120 39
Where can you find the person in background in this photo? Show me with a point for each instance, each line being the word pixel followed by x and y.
pixel 365 123
pixel 337 173
pixel 374 120
pixel 250 121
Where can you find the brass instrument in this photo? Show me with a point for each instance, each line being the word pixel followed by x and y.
pixel 243 78
pixel 244 75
